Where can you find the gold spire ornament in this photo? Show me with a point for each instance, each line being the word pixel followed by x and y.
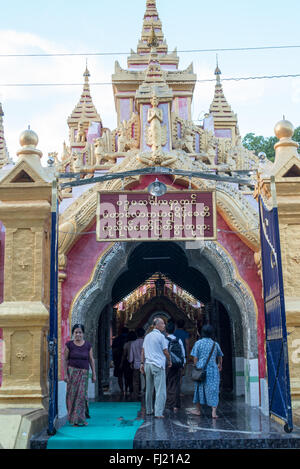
pixel 4 157
pixel 153 41
pixel 224 117
pixel 84 112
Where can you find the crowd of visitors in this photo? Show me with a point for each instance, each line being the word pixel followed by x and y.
pixel 160 357
pixel 150 363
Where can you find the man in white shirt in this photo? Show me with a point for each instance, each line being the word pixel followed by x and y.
pixel 153 364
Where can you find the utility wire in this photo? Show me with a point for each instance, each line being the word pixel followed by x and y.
pixel 262 77
pixel 80 54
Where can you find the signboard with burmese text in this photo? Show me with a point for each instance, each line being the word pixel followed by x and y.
pixel 139 216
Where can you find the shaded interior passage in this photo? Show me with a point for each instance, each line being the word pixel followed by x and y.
pixel 159 282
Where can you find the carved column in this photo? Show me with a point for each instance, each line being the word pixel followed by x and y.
pixel 25 208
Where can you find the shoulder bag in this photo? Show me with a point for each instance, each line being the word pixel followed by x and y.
pixel 199 374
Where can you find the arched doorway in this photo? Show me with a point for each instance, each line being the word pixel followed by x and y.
pixel 207 272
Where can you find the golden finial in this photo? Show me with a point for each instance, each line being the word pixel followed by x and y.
pixel 217 70
pixel 86 72
pixel 153 41
pixel 29 138
pixel 284 129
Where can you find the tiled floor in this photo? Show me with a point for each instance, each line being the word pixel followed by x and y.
pixel 238 427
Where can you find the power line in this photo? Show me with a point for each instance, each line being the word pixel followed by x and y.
pixel 192 51
pixel 262 77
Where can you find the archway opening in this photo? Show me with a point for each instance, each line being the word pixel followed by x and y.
pixel 137 298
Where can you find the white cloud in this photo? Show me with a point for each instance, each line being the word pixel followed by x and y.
pixel 46 109
pixel 259 104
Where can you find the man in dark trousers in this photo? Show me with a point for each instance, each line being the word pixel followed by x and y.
pixel 117 353
pixel 135 361
pixel 174 373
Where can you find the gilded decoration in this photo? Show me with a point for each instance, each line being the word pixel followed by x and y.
pixel 155 128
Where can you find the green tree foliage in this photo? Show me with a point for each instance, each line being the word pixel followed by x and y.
pixel 258 143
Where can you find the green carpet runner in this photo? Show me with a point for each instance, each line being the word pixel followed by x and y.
pixel 112 425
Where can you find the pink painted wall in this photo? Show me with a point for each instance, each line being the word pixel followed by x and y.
pixel 183 108
pixel 244 259
pixel 124 109
pixel 225 133
pixel 82 259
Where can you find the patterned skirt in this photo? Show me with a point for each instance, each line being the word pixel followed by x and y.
pixel 77 395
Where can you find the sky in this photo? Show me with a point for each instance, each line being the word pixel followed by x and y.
pixel 94 26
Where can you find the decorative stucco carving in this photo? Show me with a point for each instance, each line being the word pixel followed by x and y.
pixel 225 283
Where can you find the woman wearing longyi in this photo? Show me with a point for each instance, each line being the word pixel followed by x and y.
pixel 78 357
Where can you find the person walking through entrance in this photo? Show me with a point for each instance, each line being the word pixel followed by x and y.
pixel 208 391
pixel 135 361
pixel 153 363
pixel 78 356
pixel 125 365
pixel 174 373
pixel 180 333
pixel 117 353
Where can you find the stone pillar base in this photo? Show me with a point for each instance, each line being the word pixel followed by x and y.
pixel 24 369
pixel 18 426
pixel 13 398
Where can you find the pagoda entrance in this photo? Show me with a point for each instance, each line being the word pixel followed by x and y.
pixel 205 273
pixel 159 296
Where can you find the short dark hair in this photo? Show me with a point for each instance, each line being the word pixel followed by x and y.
pixel 131 336
pixel 77 326
pixel 180 323
pixel 140 332
pixel 124 330
pixel 207 331
pixel 170 327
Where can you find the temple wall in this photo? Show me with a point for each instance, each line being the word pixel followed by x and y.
pixel 244 259
pixel 84 255
pixel 183 108
pixel 124 105
pixel 82 259
pixel 224 133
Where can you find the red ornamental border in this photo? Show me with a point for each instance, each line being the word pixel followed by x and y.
pixel 139 216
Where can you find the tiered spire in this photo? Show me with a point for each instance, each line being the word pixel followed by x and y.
pixel 224 117
pixel 155 77
pixel 152 27
pixel 152 23
pixel 85 110
pixel 4 156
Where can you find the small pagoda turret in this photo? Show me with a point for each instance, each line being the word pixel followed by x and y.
pixel 4 156
pixel 225 120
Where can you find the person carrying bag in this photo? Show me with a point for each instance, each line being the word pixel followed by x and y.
pixel 206 372
pixel 199 374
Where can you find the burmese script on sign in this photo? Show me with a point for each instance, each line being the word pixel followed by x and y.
pixel 133 215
